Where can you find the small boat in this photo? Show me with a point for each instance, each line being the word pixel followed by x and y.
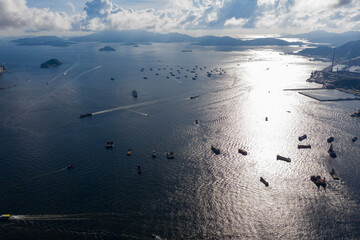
pixel 153 154
pixel 170 155
pixel 318 181
pixel 304 146
pixel 266 118
pixel 330 139
pixel 331 151
pixel 302 137
pixel 215 149
pixel 110 144
pixel 242 151
pixel 196 121
pixel 354 139
pixel 85 115
pixel 145 77
pixel 4 217
pixel 194 97
pixel 134 93
pixel 278 157
pixel 139 169
pixel 70 166
pixel 129 152
pixel 334 175
pixel 264 181
pixel 112 78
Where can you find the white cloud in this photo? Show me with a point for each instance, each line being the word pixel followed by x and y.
pixel 235 22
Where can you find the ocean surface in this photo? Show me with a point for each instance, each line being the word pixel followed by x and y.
pixel 196 195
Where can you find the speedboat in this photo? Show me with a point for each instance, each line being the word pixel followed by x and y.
pixel 264 181
pixel 134 93
pixel 242 151
pixel 85 115
pixel 215 149
pixel 302 137
pixel 110 144
pixel 5 217
pixel 129 152
pixel 318 181
pixel 278 157
pixel 170 155
pixel 153 154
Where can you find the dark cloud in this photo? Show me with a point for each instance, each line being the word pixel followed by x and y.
pixel 343 2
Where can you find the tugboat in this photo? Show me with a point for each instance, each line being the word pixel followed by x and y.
pixel 264 182
pixel 134 93
pixel 330 139
pixel 85 115
pixel 110 144
pixel 331 151
pixel 242 151
pixel 303 146
pixel 318 181
pixel 139 169
pixel 302 137
pixel 153 154
pixel 354 139
pixel 334 175
pixel 129 152
pixel 278 157
pixel 5 217
pixel 170 155
pixel 215 149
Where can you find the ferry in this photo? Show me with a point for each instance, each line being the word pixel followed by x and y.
pixel 129 152
pixel 304 146
pixel 85 115
pixel 153 154
pixel 278 157
pixel 302 137
pixel 264 181
pixel 215 149
pixel 170 155
pixel 318 181
pixel 134 93
pixel 332 152
pixel 242 151
pixel 334 175
pixel 330 139
pixel 5 216
pixel 110 144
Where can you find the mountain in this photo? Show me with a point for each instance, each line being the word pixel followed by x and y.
pixel 347 51
pixel 140 36
pixel 106 49
pixel 335 39
pixel 44 40
pixel 51 63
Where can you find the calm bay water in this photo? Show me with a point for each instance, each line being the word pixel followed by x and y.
pixel 197 195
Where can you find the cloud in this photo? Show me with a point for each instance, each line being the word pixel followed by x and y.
pixel 235 22
pixel 343 2
pixel 71 6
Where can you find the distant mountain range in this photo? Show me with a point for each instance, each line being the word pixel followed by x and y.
pixel 335 39
pixel 144 37
pixel 347 51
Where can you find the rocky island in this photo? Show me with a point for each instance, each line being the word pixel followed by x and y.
pixel 51 63
pixel 106 49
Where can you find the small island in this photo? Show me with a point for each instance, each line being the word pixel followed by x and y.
pixel 51 63
pixel 106 49
pixel 2 69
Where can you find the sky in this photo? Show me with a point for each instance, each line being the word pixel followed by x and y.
pixel 187 16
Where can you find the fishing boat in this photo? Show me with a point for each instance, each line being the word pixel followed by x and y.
pixel 153 154
pixel 304 146
pixel 331 151
pixel 278 157
pixel 134 93
pixel 4 217
pixel 170 155
pixel 334 175
pixel 302 137
pixel 110 144
pixel 242 151
pixel 85 115
pixel 215 149
pixel 129 152
pixel 139 169
pixel 318 181
pixel 354 139
pixel 330 139
pixel 264 181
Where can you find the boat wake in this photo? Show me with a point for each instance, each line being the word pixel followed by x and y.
pixel 65 217
pixel 141 113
